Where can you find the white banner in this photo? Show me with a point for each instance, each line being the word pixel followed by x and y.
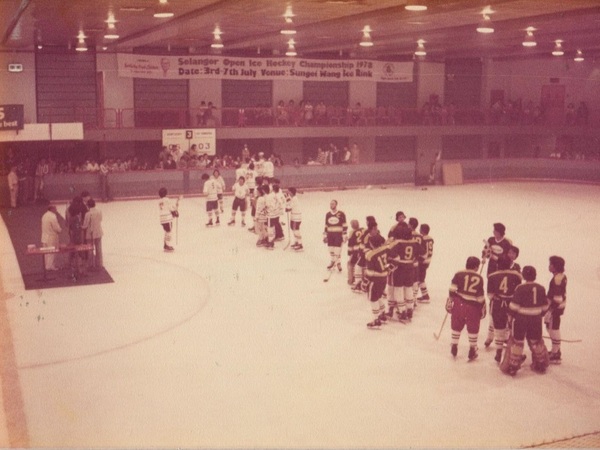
pixel 205 140
pixel 233 68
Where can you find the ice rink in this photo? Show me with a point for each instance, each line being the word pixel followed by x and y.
pixel 223 344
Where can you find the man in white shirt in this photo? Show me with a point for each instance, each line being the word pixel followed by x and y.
pixel 50 236
pixel 92 230
pixel 240 193
pixel 212 200
pixel 269 169
pixel 13 186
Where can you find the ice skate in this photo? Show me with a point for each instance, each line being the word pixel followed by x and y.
pixel 210 223
pixel 454 349
pixel 472 353
pixel 375 324
pixel 423 299
pixel 231 222
pixel 555 357
pixel 168 248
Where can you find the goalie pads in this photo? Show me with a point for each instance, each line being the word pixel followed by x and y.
pixel 512 358
pixel 539 355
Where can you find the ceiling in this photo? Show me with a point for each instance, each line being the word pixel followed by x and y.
pixel 325 28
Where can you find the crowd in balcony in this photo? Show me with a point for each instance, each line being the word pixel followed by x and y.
pixel 519 112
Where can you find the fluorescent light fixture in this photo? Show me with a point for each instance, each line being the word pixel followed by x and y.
pixel 579 56
pixel 415 5
pixel 163 11
pixel 558 50
pixel 485 26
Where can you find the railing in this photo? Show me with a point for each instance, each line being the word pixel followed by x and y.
pixel 125 118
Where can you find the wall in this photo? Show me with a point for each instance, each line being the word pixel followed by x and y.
pixel 524 79
pixel 430 80
pixel 19 88
pixel 364 92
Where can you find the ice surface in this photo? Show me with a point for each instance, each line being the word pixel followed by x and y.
pixel 223 344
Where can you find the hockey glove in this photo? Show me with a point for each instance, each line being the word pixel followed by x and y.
pixel 449 305
pixel 175 213
pixel 324 239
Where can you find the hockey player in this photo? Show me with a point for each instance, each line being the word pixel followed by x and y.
pixel 212 206
pixel 240 194
pixel 466 303
pixel 335 234
pixel 273 212
pixel 167 210
pixel 557 295
pixel 376 271
pixel 501 287
pixel 513 254
pixel 424 262
pixel 413 223
pixel 354 271
pixel 528 307
pixel 260 221
pixel 281 201
pixel 293 209
pixel 495 247
pixel 361 282
pixel 220 188
pixel 403 252
pixel 400 221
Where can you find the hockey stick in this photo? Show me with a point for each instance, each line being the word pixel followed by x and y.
pixel 483 260
pixel 329 272
pixel 177 220
pixel 437 335
pixel 569 341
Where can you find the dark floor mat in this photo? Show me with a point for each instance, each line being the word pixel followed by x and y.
pixel 24 228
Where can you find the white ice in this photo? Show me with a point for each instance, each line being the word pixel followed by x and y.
pixel 223 344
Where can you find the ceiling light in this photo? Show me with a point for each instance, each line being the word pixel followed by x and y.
pixel 485 26
pixel 529 40
pixel 111 31
pixel 288 14
pixel 288 28
pixel 163 11
pixel 367 40
pixel 291 50
pixel 420 51
pixel 81 46
pixel 217 41
pixel 415 5
pixel 558 50
pixel 579 56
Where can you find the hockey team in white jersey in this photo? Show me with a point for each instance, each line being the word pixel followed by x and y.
pixel 392 271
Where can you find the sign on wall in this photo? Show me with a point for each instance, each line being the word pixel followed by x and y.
pixel 205 140
pixel 11 117
pixel 234 68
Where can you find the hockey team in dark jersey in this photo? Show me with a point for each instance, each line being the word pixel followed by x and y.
pixel 392 273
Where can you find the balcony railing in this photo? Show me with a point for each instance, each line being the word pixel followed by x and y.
pixel 126 118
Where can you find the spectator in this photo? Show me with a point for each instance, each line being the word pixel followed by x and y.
pixel 582 114
pixel 13 186
pixel 50 236
pixel 92 230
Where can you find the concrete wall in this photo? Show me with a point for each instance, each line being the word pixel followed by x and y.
pixel 430 80
pixel 19 88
